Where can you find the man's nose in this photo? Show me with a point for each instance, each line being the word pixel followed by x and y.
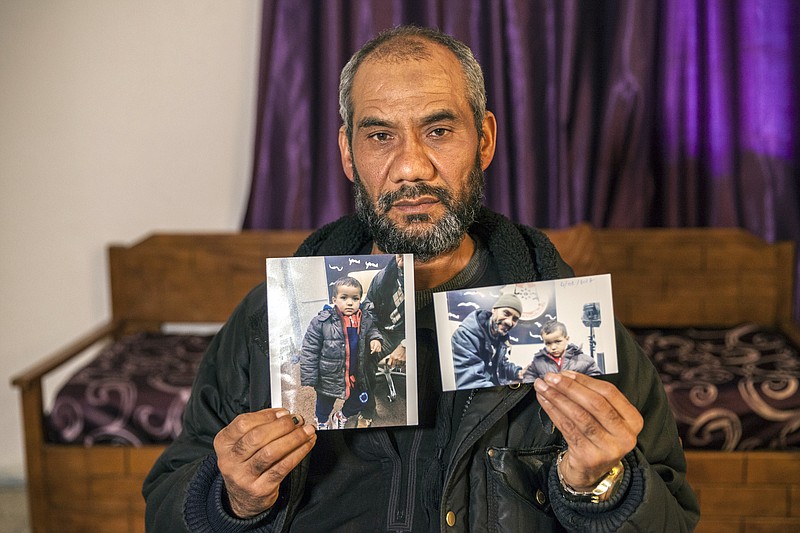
pixel 412 162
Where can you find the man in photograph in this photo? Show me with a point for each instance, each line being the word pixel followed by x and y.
pixel 386 295
pixel 481 346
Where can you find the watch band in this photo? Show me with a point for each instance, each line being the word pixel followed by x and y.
pixel 604 490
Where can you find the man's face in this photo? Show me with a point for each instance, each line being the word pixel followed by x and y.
pixel 415 158
pixel 503 320
pixel 347 300
pixel 420 233
pixel 555 343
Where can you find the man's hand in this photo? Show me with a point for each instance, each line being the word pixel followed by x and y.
pixel 256 452
pixel 397 358
pixel 599 424
pixel 375 346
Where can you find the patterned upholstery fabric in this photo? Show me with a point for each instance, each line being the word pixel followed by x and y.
pixel 133 392
pixel 729 389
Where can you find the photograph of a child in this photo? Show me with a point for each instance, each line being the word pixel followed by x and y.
pixel 340 352
pixel 496 336
pixel 559 354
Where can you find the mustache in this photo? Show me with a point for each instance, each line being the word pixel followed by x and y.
pixel 409 192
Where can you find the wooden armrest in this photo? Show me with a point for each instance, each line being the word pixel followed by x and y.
pixel 30 385
pixel 35 373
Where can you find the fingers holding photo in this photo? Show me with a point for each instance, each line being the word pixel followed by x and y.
pixel 255 452
pixel 596 420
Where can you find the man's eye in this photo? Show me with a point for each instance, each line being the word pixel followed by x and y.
pixel 439 132
pixel 380 136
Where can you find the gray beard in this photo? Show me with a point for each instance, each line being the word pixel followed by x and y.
pixel 423 240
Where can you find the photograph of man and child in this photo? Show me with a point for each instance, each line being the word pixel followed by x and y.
pixel 338 348
pixel 342 353
pixel 502 335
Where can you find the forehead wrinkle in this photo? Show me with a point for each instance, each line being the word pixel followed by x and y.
pixel 442 69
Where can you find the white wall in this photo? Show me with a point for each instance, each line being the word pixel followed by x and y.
pixel 117 118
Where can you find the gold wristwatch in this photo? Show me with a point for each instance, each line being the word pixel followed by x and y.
pixel 604 490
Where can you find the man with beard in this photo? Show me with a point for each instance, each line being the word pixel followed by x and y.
pixel 481 345
pixel 570 452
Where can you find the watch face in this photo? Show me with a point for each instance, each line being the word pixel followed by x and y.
pixel 608 485
pixel 604 491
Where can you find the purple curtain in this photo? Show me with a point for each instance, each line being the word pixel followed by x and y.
pixel 628 113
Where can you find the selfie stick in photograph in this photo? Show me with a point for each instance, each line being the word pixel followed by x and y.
pixel 591 319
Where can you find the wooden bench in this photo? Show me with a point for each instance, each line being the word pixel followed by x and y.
pixel 661 277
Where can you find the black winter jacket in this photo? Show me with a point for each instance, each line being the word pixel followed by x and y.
pixel 323 355
pixel 481 360
pixel 380 293
pixel 573 359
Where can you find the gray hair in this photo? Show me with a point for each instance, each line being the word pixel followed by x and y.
pixel 408 42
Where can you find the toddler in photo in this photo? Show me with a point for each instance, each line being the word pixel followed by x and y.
pixel 559 354
pixel 334 355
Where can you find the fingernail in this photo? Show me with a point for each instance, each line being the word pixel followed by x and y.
pixel 296 420
pixel 540 385
pixel 553 378
pixel 281 413
pixel 569 373
pixel 309 429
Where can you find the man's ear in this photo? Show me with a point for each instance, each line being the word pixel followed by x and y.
pixel 346 154
pixel 488 140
